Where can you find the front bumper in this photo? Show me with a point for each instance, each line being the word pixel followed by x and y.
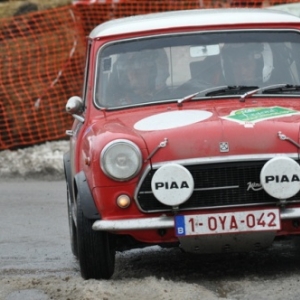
pixel 162 222
pixel 165 222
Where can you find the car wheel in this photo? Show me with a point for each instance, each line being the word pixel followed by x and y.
pixel 72 227
pixel 96 250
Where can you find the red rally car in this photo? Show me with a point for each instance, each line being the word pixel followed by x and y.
pixel 186 135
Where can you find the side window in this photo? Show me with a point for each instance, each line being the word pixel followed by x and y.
pixel 179 58
pixel 284 69
pixel 105 84
pixel 190 62
pixel 294 61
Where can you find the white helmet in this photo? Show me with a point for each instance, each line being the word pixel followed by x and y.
pixel 268 62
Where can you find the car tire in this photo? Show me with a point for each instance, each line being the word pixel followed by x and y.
pixel 96 250
pixel 72 227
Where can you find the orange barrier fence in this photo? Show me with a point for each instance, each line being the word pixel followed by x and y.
pixel 42 60
pixel 41 66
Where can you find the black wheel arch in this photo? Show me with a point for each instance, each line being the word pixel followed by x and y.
pixel 68 175
pixel 80 186
pixel 87 201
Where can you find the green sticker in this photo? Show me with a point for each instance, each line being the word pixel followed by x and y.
pixel 256 114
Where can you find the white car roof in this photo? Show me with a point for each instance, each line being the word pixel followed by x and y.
pixel 188 18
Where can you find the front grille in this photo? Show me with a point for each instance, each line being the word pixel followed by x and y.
pixel 227 184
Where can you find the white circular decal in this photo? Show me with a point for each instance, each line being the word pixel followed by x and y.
pixel 172 119
pixel 280 177
pixel 172 184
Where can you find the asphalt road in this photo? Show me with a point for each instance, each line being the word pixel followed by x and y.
pixel 36 261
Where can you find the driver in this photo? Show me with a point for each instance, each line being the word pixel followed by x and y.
pixel 247 64
pixel 141 74
pixel 144 76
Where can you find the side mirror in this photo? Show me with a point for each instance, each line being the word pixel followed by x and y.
pixel 74 105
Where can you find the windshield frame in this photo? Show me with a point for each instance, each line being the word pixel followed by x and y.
pixel 187 34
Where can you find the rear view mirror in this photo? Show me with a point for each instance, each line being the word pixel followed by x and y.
pixel 74 105
pixel 203 51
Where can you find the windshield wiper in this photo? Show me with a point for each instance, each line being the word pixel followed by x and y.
pixel 273 89
pixel 206 92
pixel 231 90
pixel 187 98
pixel 227 90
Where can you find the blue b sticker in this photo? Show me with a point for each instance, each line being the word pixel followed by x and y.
pixel 179 225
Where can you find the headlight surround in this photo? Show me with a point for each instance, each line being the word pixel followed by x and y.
pixel 121 160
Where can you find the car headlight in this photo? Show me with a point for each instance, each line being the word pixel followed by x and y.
pixel 121 160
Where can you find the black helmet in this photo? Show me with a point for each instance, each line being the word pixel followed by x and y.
pixel 259 54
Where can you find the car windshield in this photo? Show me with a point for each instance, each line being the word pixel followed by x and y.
pixel 170 67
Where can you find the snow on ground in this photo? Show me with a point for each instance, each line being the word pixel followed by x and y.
pixel 45 160
pixel 40 266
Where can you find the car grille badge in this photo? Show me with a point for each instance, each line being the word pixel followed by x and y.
pixel 224 147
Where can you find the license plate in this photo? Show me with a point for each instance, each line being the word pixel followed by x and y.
pixel 233 222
